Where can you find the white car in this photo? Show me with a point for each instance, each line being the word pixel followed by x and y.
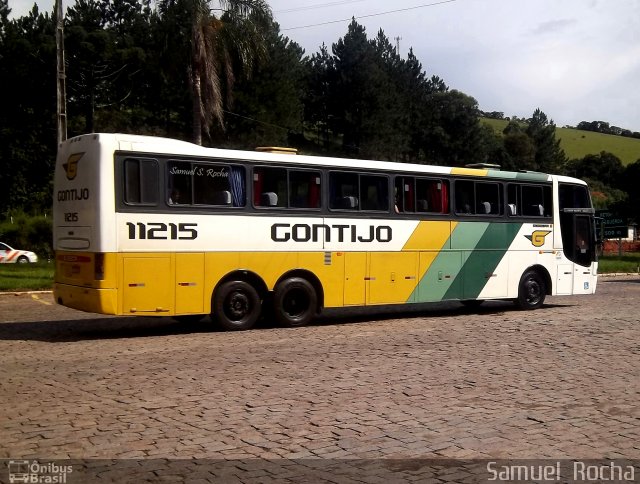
pixel 10 255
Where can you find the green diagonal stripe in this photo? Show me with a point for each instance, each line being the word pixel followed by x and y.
pixel 434 286
pixel 484 258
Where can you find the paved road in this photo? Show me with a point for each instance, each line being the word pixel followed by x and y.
pixel 445 382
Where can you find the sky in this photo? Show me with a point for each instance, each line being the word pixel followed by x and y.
pixel 576 60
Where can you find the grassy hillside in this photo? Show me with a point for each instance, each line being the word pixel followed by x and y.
pixel 577 143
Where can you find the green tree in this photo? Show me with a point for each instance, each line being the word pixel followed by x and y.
pixel 453 134
pixel 414 89
pixel 27 117
pixel 549 156
pixel 4 16
pixel 605 167
pixel 365 107
pixel 319 81
pixel 354 95
pixel 268 106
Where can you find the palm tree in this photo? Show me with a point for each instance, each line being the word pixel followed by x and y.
pixel 232 36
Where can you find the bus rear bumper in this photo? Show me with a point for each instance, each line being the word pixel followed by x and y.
pixel 101 301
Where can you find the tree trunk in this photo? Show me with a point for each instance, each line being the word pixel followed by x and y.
pixel 197 108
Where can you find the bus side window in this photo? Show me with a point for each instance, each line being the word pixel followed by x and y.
pixel 140 181
pixel 432 195
pixel 304 189
pixel 488 199
pixel 180 181
pixel 269 187
pixel 465 197
pixel 404 194
pixel 512 199
pixel 374 191
pixel 536 200
pixel 343 190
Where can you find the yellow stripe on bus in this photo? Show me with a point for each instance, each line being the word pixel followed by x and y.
pixel 430 235
pixel 469 171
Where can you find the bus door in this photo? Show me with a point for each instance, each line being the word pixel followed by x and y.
pixel 579 246
pixel 585 251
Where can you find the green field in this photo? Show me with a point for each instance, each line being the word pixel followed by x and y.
pixel 577 143
pixel 26 277
pixel 628 262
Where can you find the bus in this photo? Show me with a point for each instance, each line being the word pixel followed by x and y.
pixel 159 227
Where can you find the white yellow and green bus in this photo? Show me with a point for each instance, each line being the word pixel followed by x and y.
pixel 159 227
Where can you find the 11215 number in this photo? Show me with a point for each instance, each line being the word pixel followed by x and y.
pixel 162 231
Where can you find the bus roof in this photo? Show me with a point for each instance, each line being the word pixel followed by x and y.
pixel 167 146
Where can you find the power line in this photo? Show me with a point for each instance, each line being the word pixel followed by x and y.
pixel 319 5
pixel 259 122
pixel 371 15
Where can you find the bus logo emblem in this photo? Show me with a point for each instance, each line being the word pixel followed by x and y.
pixel 537 237
pixel 71 166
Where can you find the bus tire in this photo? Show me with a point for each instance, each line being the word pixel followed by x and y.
pixel 531 290
pixel 295 302
pixel 236 305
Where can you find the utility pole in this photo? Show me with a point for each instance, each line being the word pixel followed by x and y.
pixel 61 93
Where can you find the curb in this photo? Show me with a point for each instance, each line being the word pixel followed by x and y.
pixel 20 293
pixel 619 274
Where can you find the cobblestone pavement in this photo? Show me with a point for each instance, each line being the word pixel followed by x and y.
pixel 444 382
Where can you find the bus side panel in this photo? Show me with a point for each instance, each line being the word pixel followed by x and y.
pixel 564 279
pixel 355 273
pixel 441 276
pixel 216 266
pixel 532 245
pixel 437 266
pixel 189 283
pixel 146 284
pixel 329 268
pixel 483 274
pixel 392 277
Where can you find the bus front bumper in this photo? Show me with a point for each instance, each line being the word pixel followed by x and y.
pixel 101 301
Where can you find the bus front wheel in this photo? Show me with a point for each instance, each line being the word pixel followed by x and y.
pixel 531 291
pixel 236 305
pixel 295 302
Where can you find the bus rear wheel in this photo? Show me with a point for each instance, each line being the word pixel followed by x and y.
pixel 531 291
pixel 295 302
pixel 236 305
